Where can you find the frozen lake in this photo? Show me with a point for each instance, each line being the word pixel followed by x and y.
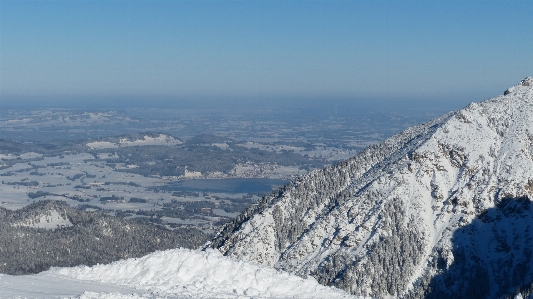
pixel 237 185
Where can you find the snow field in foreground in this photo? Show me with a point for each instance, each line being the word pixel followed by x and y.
pixel 184 273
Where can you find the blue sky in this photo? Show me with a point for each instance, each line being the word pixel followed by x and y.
pixel 467 50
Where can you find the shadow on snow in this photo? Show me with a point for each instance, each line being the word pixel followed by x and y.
pixel 492 256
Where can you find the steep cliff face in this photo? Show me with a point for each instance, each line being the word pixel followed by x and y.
pixel 435 211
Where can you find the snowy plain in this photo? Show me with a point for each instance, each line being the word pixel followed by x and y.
pixel 175 273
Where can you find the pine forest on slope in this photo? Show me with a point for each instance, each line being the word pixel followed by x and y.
pixel 53 234
pixel 441 210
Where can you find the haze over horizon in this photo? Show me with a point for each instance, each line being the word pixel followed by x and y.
pixel 435 51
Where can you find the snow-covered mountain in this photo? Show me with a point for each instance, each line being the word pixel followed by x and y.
pixel 442 209
pixel 176 273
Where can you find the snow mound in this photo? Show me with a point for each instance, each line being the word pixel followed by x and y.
pixel 184 273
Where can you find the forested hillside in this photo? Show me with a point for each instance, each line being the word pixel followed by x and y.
pixel 30 242
pixel 441 210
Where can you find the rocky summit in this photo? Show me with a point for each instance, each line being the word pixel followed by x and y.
pixel 441 210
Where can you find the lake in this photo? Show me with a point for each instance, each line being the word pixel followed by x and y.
pixel 238 185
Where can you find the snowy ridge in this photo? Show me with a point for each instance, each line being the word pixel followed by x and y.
pixel 389 221
pixel 176 273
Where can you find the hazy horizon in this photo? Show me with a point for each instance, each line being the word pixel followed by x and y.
pixel 165 52
pixel 342 106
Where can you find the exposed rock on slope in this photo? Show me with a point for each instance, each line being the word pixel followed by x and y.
pixel 435 211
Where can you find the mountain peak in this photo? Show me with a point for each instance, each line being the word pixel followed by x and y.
pixel 528 81
pixel 437 208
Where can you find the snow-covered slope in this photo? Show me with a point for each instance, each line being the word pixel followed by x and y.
pixel 177 273
pixel 50 219
pixel 407 217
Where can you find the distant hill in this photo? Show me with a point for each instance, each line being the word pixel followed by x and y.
pixel 53 234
